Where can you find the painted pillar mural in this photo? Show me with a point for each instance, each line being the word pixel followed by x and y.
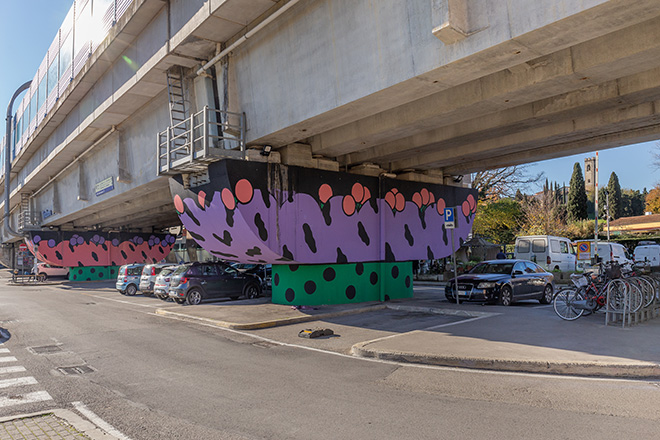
pixel 269 213
pixel 96 255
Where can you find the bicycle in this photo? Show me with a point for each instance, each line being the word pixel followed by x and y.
pixel 591 292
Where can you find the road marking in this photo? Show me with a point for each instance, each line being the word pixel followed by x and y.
pixel 108 428
pixel 21 399
pixel 4 350
pixel 19 381
pixel 8 359
pixel 8 370
pixel 454 323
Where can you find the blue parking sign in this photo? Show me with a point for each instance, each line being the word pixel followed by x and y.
pixel 449 218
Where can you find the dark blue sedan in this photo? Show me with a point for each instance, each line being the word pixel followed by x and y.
pixel 503 281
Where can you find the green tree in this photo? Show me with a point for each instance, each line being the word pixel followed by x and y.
pixel 498 221
pixel 614 191
pixel 577 195
pixel 632 203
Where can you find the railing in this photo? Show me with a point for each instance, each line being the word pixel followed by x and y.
pixel 206 136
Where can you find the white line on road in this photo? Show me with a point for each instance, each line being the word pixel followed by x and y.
pixel 82 409
pixel 21 399
pixel 17 382
pixel 8 370
pixel 454 323
pixel 8 359
pixel 4 350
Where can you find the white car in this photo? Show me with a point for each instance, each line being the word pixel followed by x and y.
pixel 45 270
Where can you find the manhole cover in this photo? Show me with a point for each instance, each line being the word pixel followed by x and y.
pixel 46 349
pixel 79 369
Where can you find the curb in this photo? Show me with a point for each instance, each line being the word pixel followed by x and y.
pixel 80 424
pixel 274 322
pixel 643 371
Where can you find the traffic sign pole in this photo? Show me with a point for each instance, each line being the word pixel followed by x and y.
pixel 450 223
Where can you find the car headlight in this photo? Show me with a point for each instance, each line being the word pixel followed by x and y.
pixel 486 285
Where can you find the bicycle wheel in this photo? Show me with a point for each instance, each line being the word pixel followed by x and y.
pixel 563 304
pixel 635 298
pixel 655 283
pixel 616 295
pixel 648 291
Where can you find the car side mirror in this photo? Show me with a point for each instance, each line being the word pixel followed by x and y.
pixel 517 272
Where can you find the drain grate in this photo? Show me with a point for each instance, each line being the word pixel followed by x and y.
pixel 46 349
pixel 78 369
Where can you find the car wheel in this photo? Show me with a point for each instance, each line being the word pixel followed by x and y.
pixel 131 290
pixel 506 296
pixel 251 291
pixel 42 277
pixel 546 298
pixel 194 297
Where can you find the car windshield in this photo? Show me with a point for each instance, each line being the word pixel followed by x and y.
pixel 166 271
pixel 497 268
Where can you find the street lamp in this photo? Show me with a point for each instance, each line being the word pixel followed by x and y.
pixel 18 91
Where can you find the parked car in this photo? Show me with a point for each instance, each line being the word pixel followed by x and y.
pixel 648 253
pixel 162 282
pixel 128 278
pixel 549 252
pixel 503 281
pixel 194 282
pixel 44 270
pixel 263 271
pixel 148 277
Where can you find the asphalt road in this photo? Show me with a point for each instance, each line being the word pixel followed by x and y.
pixel 152 377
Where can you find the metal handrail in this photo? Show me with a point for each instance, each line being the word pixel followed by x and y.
pixel 200 139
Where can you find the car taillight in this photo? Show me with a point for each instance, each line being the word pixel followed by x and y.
pixel 126 279
pixel 548 260
pixel 183 280
pixel 153 271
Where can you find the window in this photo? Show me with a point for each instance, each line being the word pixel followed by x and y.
pixel 33 106
pixel 564 247
pixel 538 246
pixel 554 246
pixel 66 52
pixel 530 267
pixel 523 246
pixel 209 270
pixel 53 75
pixel 520 266
pixel 42 92
pixel 588 167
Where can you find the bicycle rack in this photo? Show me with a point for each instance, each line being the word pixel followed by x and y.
pixel 619 298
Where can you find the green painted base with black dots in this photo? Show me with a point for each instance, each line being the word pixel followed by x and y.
pixel 93 273
pixel 310 285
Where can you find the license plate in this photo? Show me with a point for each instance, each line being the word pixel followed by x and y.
pixel 463 293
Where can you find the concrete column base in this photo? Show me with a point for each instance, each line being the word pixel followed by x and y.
pixel 317 284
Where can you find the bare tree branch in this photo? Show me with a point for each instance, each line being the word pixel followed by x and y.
pixel 503 182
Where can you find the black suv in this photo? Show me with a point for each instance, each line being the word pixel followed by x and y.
pixel 193 282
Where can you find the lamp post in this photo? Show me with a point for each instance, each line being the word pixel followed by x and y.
pixel 18 91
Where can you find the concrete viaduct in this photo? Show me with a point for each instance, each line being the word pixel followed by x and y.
pixel 324 136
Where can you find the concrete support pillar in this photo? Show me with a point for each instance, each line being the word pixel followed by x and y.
pixel 204 96
pixel 123 170
pixel 450 20
pixel 82 181
pixel 318 284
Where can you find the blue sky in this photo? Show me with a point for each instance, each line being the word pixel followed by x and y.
pixel 28 27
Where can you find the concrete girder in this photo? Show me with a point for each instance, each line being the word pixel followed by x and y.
pixel 628 90
pixel 592 130
pixel 544 77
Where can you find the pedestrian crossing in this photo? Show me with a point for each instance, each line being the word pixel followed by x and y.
pixel 16 388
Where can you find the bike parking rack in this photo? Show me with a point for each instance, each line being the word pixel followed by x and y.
pixel 619 307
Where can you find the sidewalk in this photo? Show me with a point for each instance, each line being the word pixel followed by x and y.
pixel 59 424
pixel 525 337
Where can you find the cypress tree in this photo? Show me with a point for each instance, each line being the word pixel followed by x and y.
pixel 614 190
pixel 577 195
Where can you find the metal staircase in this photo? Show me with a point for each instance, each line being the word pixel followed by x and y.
pixel 26 219
pixel 178 115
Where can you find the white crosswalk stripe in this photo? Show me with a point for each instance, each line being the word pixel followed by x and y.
pixel 12 389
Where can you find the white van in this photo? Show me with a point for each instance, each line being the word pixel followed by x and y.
pixel 549 252
pixel 607 251
pixel 648 253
